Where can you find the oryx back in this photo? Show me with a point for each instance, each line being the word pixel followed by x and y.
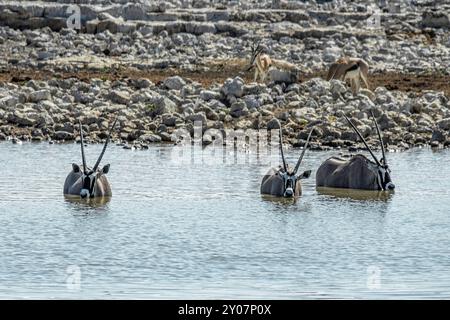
pixel 358 172
pixel 74 184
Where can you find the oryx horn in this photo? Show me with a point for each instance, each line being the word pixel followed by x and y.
pixel 303 152
pixel 281 150
pixel 363 140
pixel 94 169
pixel 383 151
pixel 83 158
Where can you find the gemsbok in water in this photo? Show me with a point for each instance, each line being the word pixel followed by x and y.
pixel 358 172
pixel 85 182
pixel 283 182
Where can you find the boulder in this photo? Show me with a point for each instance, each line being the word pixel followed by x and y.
pixel 444 124
pixel 120 97
pixel 165 136
pixel 274 123
pixel 63 135
pixel 159 105
pixel 252 102
pixel 8 102
pixel 198 117
pixel 40 95
pixel 438 135
pixel 142 83
pixel 200 28
pixel 208 95
pixel 231 28
pixel 21 118
pixel 150 137
pixel 238 109
pixel 217 15
pixel 133 11
pixel 337 88
pixel 435 19
pixel 169 120
pixel 233 87
pixel 174 83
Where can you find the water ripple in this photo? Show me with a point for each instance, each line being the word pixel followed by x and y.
pixel 198 230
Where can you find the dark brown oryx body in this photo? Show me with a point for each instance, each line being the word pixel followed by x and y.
pixel 358 172
pixel 283 182
pixel 85 182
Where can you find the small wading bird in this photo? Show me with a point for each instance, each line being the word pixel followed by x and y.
pixel 283 182
pixel 358 172
pixel 259 60
pixel 353 69
pixel 86 182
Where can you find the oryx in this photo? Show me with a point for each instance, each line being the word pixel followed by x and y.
pixel 358 172
pixel 260 61
pixel 283 182
pixel 85 182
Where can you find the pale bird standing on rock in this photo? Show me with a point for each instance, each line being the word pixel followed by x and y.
pixel 353 69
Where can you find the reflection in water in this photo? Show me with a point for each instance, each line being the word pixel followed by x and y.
pixel 355 194
pixel 279 200
pixel 87 206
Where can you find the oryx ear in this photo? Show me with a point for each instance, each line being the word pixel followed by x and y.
pixel 305 174
pixel 75 168
pixel 105 169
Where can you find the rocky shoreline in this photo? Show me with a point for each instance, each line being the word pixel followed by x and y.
pixel 198 41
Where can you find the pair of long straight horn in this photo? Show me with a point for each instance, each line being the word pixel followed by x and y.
pixel 301 156
pixel 383 151
pixel 94 169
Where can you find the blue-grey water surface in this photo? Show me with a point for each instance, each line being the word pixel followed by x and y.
pixel 183 230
